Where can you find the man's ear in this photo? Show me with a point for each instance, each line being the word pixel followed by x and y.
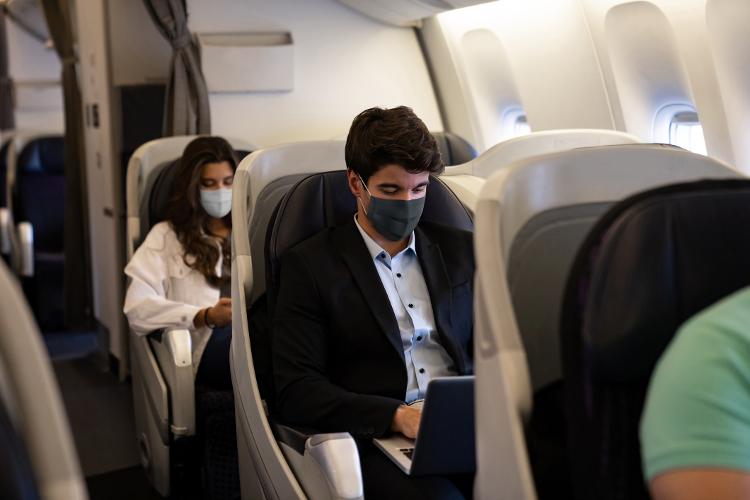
pixel 355 186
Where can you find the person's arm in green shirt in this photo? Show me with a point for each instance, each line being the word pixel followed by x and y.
pixel 695 431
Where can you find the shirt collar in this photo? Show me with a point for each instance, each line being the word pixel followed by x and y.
pixel 376 249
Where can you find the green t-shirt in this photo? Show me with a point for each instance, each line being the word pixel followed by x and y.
pixel 697 411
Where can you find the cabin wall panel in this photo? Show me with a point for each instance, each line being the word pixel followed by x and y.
pixel 727 22
pixel 687 20
pixel 549 65
pixel 647 68
pixel 138 52
pixel 35 70
pixel 344 62
pixel 103 177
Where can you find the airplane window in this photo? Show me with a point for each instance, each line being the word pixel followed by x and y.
pixel 685 130
pixel 521 126
pixel 515 123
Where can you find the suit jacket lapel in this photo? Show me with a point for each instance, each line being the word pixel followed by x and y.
pixel 358 259
pixel 439 287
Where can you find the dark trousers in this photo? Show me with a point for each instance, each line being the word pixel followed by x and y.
pixel 215 419
pixel 384 480
pixel 213 370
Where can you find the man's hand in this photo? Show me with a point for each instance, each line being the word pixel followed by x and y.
pixel 406 421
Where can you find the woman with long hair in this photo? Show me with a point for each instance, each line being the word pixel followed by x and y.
pixel 180 274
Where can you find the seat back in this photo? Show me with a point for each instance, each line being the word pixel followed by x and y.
pixel 551 202
pixel 324 200
pixel 454 149
pixel 262 179
pixel 531 219
pixel 39 191
pixel 467 179
pixel 653 261
pixel 33 425
pixel 16 143
pixel 4 148
pixel 39 198
pixel 6 231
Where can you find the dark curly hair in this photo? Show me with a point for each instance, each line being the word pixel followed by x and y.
pixel 379 137
pixel 186 214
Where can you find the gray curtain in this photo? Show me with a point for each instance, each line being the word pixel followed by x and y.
pixel 186 103
pixel 77 256
pixel 6 85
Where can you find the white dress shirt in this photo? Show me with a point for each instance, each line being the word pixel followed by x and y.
pixel 165 292
pixel 404 283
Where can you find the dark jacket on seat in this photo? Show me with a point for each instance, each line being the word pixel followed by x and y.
pixel 337 352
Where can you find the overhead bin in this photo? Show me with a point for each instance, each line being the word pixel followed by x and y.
pixel 247 62
pixel 406 12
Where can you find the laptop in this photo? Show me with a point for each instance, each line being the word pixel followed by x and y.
pixel 445 443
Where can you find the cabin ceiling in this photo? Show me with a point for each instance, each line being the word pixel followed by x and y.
pixel 406 12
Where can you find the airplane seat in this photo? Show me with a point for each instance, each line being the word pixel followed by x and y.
pixel 454 149
pixel 275 189
pixel 650 263
pixel 164 392
pixel 214 408
pixel 38 209
pixel 466 179
pixel 16 476
pixel 265 471
pixel 321 466
pixel 532 217
pixel 37 455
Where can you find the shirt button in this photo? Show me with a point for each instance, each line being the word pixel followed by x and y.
pixel 411 306
pixel 419 338
pixel 421 370
pixel 398 275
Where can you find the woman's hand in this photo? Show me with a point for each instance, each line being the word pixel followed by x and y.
pixel 218 315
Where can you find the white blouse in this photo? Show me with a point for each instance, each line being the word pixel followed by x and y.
pixel 165 292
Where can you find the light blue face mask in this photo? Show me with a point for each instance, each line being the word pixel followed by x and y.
pixel 216 202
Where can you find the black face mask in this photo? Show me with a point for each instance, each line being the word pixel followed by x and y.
pixel 394 219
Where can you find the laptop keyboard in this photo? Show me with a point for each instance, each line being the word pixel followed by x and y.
pixel 407 451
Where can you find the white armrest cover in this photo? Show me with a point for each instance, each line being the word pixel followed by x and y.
pixel 174 356
pixel 338 458
pixel 4 231
pixel 26 243
pixel 329 468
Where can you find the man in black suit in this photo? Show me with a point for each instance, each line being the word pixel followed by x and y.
pixel 370 311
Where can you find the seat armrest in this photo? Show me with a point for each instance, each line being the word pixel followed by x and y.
pixel 338 457
pixel 327 465
pixel 151 395
pixel 5 245
pixel 26 249
pixel 173 351
pixel 294 437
